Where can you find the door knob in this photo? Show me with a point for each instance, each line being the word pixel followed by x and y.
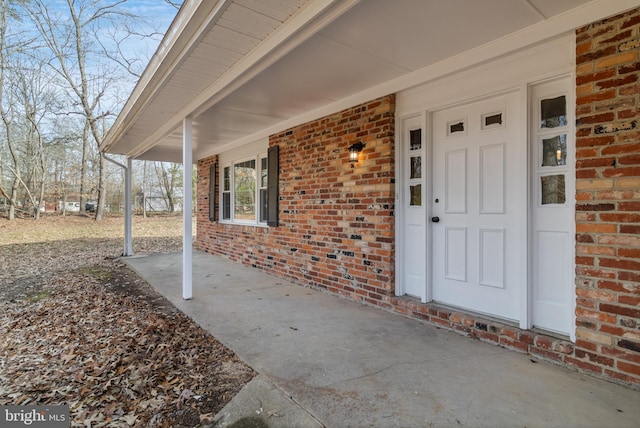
pixel 435 219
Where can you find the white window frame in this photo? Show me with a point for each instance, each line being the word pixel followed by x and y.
pixel 260 188
pixel 258 202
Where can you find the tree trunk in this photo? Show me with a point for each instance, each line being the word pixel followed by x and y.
pixel 16 175
pixel 43 172
pixel 12 201
pixel 102 196
pixel 165 186
pixel 83 165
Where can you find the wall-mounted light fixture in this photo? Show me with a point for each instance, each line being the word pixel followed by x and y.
pixel 354 149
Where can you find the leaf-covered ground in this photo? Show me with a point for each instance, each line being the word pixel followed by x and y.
pixel 78 327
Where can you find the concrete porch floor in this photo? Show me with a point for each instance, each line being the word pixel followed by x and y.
pixel 326 361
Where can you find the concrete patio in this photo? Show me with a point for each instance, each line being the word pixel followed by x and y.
pixel 327 361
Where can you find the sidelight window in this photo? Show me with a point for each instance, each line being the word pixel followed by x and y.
pixel 552 150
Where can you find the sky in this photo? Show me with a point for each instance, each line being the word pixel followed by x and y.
pixel 157 16
pixel 159 12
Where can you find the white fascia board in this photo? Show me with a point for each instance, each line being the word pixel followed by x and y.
pixel 537 33
pixel 304 24
pixel 186 30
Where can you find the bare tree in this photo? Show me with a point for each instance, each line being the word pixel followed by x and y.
pixel 10 44
pixel 5 48
pixel 175 4
pixel 36 100
pixel 83 63
pixel 169 177
pixel 88 48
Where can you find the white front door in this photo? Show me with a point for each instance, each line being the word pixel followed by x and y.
pixel 479 205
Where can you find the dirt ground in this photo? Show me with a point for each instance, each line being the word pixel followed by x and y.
pixel 78 327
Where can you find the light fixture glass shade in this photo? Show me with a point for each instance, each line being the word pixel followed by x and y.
pixel 354 149
pixel 353 156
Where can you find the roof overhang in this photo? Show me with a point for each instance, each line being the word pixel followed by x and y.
pixel 245 69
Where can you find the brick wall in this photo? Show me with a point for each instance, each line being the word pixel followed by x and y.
pixel 202 192
pixel 336 228
pixel 608 198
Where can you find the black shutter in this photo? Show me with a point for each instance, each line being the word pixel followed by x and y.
pixel 212 192
pixel 272 186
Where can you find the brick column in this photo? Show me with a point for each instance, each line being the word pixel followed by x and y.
pixel 608 197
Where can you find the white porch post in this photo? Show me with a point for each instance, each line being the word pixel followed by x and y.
pixel 187 162
pixel 128 208
pixel 128 211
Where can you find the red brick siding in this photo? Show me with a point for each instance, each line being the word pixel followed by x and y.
pixel 608 198
pixel 336 228
pixel 202 190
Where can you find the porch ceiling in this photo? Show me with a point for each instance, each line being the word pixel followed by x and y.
pixel 245 68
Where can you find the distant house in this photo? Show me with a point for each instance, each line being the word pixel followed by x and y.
pixel 472 164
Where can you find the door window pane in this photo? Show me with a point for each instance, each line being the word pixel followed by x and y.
pixel 554 151
pixel 455 127
pixel 416 195
pixel 416 167
pixel 415 139
pixel 553 112
pixel 553 189
pixel 491 120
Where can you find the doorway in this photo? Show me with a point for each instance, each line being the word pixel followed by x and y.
pixel 477 207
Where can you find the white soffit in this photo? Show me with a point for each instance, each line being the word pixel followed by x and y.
pixel 363 50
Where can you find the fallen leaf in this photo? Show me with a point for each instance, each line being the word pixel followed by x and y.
pixel 99 338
